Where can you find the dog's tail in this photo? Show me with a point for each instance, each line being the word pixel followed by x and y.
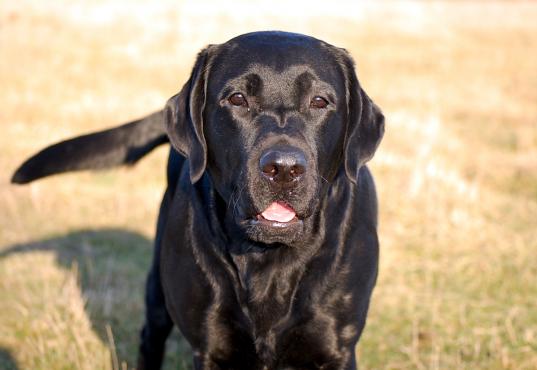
pixel 125 144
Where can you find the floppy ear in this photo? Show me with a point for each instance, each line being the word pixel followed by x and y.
pixel 184 118
pixel 365 127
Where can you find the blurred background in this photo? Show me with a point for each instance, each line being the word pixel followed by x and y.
pixel 456 172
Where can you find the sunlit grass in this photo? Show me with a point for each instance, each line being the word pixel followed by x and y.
pixel 456 175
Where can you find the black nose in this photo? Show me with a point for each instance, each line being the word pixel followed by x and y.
pixel 283 165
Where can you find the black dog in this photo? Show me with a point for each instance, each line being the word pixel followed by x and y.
pixel 266 250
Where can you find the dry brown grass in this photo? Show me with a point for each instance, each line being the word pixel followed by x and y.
pixel 457 174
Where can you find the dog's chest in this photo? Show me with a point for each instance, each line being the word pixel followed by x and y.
pixel 267 296
pixel 283 327
pixel 282 336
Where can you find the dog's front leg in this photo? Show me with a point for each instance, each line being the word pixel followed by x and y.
pixel 158 324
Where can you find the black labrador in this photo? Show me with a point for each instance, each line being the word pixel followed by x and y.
pixel 266 250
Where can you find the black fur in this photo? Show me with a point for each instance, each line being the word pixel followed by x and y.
pixel 121 145
pixel 247 292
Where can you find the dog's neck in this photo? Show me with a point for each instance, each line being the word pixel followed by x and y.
pixel 267 281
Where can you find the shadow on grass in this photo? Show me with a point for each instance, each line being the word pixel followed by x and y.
pixel 7 362
pixel 112 266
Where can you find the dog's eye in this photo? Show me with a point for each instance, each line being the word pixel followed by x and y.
pixel 318 102
pixel 238 100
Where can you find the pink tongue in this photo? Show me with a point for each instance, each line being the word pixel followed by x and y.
pixel 279 212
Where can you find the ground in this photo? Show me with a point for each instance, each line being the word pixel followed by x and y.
pixel 456 173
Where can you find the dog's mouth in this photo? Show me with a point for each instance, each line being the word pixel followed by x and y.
pixel 278 223
pixel 277 214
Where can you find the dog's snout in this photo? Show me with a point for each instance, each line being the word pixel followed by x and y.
pixel 283 165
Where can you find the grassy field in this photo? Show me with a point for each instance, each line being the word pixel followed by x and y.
pixel 456 173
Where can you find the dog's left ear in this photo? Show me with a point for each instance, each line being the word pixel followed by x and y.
pixel 365 127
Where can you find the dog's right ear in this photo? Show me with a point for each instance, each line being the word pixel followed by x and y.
pixel 184 118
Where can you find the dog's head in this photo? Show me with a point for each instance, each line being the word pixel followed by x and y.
pixel 274 118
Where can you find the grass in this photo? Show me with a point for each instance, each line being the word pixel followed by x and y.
pixel 456 174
